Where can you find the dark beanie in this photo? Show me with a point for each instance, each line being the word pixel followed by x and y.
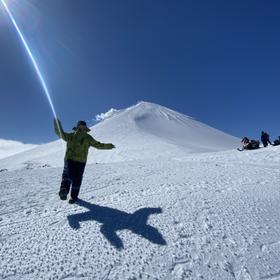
pixel 81 123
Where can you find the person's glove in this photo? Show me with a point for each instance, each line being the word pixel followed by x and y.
pixel 110 146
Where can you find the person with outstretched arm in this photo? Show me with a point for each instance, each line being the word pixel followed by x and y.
pixel 78 144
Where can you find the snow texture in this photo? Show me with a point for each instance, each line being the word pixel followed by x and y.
pixel 203 216
pixel 183 214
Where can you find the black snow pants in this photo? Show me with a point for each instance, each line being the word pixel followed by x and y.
pixel 265 143
pixel 72 175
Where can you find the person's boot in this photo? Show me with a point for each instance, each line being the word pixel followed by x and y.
pixel 74 194
pixel 72 200
pixel 63 194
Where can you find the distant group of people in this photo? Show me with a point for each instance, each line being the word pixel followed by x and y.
pixel 255 144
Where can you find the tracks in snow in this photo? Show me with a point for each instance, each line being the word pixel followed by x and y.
pixel 219 222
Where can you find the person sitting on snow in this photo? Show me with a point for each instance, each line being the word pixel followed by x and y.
pixel 277 142
pixel 246 144
pixel 250 145
pixel 78 143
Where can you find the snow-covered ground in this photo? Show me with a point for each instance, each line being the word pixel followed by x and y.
pixel 10 148
pixel 198 216
pixel 174 200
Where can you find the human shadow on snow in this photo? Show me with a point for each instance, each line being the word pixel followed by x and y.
pixel 113 220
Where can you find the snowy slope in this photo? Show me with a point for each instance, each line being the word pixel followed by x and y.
pixel 142 131
pixel 9 148
pixel 155 130
pixel 211 216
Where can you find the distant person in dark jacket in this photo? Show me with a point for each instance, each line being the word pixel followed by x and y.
pixel 265 139
pixel 249 145
pixel 246 144
pixel 277 142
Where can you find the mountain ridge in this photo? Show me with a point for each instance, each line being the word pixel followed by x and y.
pixel 142 131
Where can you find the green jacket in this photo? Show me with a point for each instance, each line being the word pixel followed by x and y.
pixel 78 143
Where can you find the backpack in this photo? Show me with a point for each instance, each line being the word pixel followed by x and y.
pixel 276 143
pixel 255 144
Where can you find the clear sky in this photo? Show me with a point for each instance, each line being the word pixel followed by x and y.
pixel 217 61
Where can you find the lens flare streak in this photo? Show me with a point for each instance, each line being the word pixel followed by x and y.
pixel 28 50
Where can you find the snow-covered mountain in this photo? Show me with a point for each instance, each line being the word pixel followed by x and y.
pixel 171 213
pixel 145 130
pixel 9 148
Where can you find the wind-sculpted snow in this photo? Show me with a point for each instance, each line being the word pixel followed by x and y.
pixel 207 216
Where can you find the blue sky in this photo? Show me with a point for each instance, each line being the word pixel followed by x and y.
pixel 217 61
